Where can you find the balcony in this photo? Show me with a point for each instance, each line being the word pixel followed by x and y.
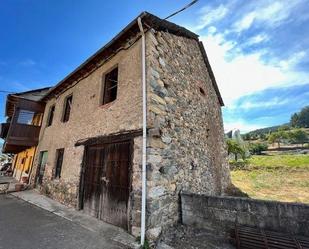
pixel 24 129
pixel 20 137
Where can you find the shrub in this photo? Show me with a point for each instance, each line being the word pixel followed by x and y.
pixel 257 148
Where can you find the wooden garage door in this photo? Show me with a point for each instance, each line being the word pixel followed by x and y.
pixel 106 182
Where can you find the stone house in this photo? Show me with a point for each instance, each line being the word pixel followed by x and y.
pixel 90 147
pixel 24 113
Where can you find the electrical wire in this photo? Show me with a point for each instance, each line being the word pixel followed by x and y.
pixel 184 8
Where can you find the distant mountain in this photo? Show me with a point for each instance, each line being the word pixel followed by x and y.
pixel 259 133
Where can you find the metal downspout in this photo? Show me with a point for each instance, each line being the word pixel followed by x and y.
pixel 143 213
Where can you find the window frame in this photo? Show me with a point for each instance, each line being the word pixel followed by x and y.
pixel 63 120
pixel 58 163
pixel 50 117
pixel 104 85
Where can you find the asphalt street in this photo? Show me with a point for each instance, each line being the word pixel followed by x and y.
pixel 23 225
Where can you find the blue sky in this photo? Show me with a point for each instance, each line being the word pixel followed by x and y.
pixel 258 49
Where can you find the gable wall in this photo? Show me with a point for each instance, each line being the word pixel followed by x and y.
pixel 186 149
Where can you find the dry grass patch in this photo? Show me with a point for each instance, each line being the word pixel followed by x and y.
pixel 278 177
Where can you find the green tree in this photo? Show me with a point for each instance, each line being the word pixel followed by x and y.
pixel 246 136
pixel 294 120
pixel 257 148
pixel 235 149
pixel 301 119
pixel 298 136
pixel 278 137
pixel 304 117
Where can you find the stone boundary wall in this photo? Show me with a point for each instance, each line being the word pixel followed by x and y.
pixel 204 211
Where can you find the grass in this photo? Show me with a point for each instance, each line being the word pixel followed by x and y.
pixel 273 177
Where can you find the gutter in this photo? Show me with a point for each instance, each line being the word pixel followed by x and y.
pixel 144 159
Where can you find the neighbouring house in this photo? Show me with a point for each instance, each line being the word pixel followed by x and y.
pixel 24 112
pixel 90 147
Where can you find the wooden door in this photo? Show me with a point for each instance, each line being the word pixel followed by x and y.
pixel 106 182
pixel 92 180
pixel 42 163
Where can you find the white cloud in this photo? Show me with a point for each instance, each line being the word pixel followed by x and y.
pixel 239 70
pixel 209 16
pixel 257 39
pixel 266 104
pixel 293 60
pixel 272 15
pixel 247 73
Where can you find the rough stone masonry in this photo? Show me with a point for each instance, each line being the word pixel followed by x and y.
pixel 186 149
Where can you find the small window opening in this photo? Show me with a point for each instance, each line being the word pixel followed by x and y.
pixel 202 91
pixel 67 108
pixel 110 86
pixel 51 116
pixel 59 160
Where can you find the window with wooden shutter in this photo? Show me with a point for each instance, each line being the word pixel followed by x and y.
pixel 110 86
pixel 59 160
pixel 51 116
pixel 67 108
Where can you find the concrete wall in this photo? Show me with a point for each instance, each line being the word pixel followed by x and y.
pixel 186 149
pixel 204 211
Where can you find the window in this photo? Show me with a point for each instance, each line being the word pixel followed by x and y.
pixel 110 86
pixel 67 108
pixel 25 117
pixel 51 116
pixel 59 159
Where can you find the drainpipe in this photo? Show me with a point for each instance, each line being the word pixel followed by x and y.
pixel 143 214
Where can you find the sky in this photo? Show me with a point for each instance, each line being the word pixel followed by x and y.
pixel 259 50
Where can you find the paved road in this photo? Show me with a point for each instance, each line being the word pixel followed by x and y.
pixel 23 225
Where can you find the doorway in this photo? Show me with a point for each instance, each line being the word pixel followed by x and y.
pixel 106 183
pixel 41 169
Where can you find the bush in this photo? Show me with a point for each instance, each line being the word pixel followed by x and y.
pixel 257 148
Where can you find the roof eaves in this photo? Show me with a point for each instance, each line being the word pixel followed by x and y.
pixel 211 74
pixel 151 20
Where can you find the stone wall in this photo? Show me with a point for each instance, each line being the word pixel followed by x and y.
pixel 186 149
pixel 203 211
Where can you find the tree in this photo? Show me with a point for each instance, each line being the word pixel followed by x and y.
pixel 294 120
pixel 304 117
pixel 257 148
pixel 246 137
pixel 278 137
pixel 298 136
pixel 301 119
pixel 236 149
